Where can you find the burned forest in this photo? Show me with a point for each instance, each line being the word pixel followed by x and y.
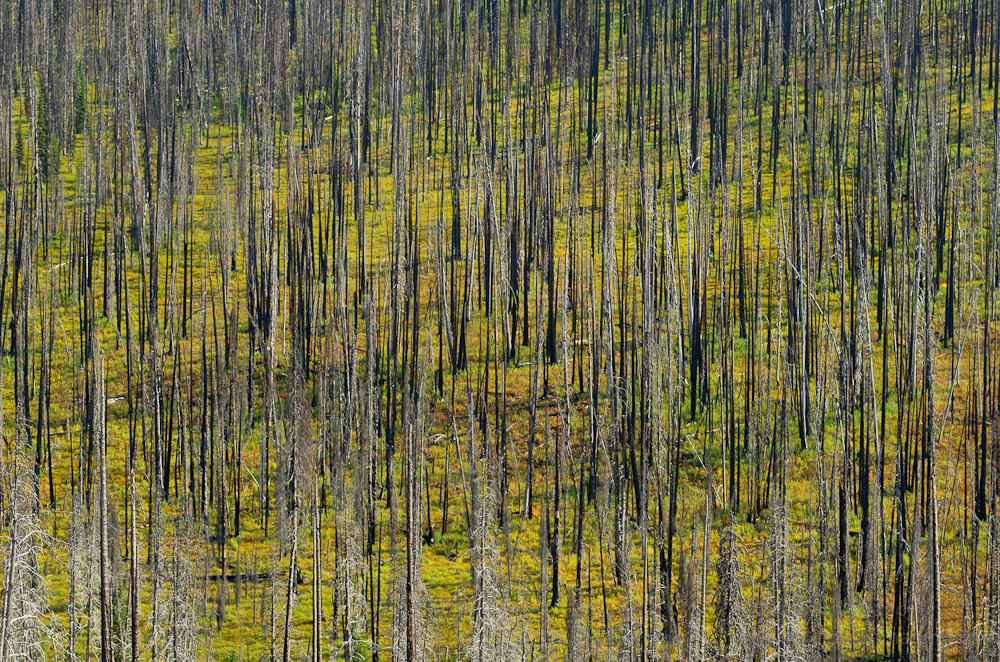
pixel 499 331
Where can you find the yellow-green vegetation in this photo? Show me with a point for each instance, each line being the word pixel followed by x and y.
pixel 499 331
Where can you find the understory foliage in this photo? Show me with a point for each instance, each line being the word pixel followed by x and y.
pixel 483 330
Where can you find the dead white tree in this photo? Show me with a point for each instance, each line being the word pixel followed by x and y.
pixel 26 629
